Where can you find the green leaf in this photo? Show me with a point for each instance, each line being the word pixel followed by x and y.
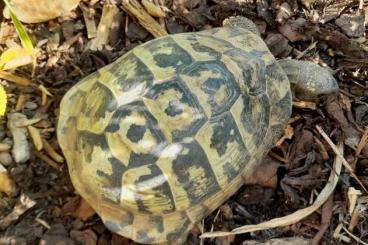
pixel 26 41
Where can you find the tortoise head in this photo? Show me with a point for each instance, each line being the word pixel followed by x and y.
pixel 307 79
pixel 241 22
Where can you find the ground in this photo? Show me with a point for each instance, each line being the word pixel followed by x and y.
pixel 38 202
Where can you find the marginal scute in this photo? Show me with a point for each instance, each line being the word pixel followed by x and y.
pixel 161 137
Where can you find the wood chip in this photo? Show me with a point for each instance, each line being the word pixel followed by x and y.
pixel 24 203
pixel 305 105
pixel 136 10
pixel 109 12
pixel 36 137
pixel 7 185
pixel 90 21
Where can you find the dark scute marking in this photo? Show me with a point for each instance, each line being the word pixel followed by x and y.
pixel 127 220
pixel 225 132
pixel 108 102
pixel 256 122
pixel 193 156
pixel 212 84
pixel 114 179
pixel 187 99
pixel 139 107
pixel 140 159
pixel 284 106
pixel 140 74
pixel 142 236
pixel 178 233
pixel 233 169
pixel 88 140
pixel 136 132
pixel 199 46
pixel 253 69
pixel 157 222
pixel 177 57
pixel 174 108
pixel 163 189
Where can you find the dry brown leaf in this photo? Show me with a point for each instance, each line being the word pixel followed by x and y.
pixel 84 211
pixel 36 137
pixel 24 203
pixel 265 174
pixel 34 11
pixel 7 185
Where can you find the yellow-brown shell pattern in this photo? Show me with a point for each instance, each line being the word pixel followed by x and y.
pixel 161 137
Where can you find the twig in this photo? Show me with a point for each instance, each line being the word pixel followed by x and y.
pixel 344 162
pixel 296 216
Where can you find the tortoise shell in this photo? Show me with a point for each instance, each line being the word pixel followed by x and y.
pixel 159 138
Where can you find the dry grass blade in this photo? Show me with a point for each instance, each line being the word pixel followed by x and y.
pixel 48 160
pixel 90 22
pixel 36 137
pixel 153 10
pixel 296 216
pixel 335 149
pixel 304 105
pixel 51 152
pixel 14 78
pixel 136 10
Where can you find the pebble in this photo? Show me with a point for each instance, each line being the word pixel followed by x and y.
pixel 30 105
pixel 6 159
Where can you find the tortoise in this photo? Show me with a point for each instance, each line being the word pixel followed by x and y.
pixel 161 137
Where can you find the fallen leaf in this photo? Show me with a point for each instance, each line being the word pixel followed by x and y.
pixel 265 173
pixel 84 211
pixel 3 101
pixel 34 11
pixel 7 185
pixel 15 57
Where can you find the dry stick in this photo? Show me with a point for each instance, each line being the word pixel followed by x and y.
pixel 296 216
pixel 344 162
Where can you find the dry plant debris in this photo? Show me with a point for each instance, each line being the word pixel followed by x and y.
pixel 37 201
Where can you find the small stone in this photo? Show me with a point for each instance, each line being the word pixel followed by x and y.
pixel 30 105
pixel 136 32
pixel 6 159
pixel 352 24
